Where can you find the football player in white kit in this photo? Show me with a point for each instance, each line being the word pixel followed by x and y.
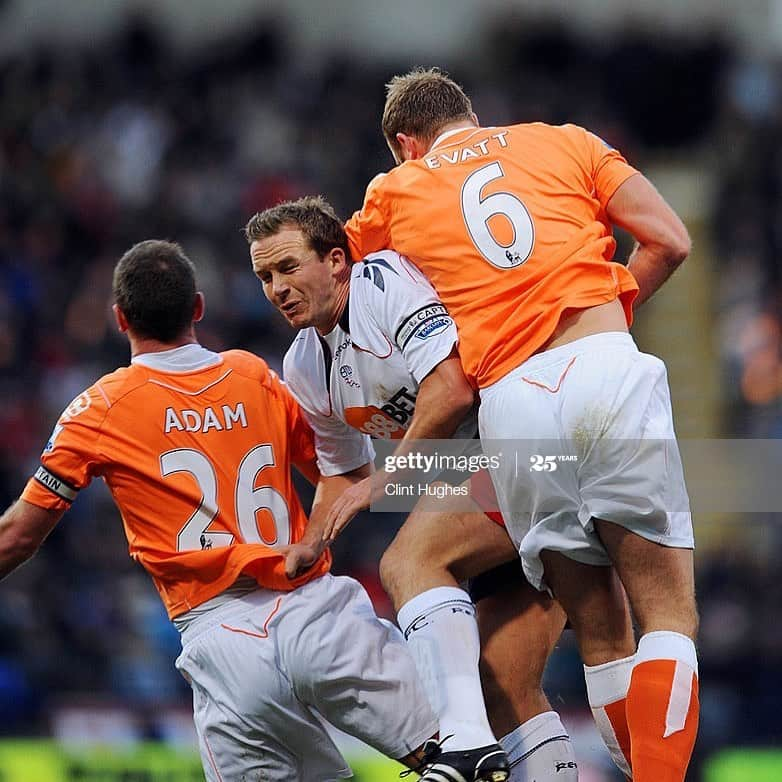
pixel 376 356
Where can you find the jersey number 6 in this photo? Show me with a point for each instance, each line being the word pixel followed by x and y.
pixel 248 501
pixel 478 211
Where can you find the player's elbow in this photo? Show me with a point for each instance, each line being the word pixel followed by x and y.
pixel 461 399
pixel 17 548
pixel 16 545
pixel 678 245
pixel 15 553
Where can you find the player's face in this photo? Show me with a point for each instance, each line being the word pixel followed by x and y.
pixel 296 280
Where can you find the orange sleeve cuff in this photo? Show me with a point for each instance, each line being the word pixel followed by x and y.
pixel 613 171
pixel 37 494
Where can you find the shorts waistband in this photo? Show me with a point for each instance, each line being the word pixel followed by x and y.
pixel 257 600
pixel 604 339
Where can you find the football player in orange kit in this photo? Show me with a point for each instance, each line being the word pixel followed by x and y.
pixel 512 225
pixel 196 448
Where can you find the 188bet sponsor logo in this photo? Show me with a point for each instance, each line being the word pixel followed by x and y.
pixel 540 463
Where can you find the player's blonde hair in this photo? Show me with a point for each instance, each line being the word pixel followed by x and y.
pixel 420 103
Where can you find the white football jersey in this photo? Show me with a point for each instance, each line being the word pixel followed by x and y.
pixel 361 380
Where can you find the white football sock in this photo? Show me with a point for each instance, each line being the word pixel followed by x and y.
pixel 540 751
pixel 441 631
pixel 607 685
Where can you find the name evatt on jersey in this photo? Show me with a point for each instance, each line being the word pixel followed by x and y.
pixel 470 151
pixel 361 380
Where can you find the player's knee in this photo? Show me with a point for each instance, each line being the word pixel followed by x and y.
pixel 687 620
pixel 679 615
pixel 601 642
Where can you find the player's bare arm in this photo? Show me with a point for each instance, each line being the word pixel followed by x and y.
pixel 445 397
pixel 23 527
pixel 662 239
pixel 299 556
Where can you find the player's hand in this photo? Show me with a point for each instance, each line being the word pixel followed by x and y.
pixel 354 499
pixel 300 557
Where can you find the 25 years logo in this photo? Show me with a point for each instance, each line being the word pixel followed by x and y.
pixel 540 463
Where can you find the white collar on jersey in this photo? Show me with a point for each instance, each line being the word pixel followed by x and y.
pixel 185 358
pixel 448 133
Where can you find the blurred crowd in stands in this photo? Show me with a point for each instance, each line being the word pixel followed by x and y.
pixel 106 146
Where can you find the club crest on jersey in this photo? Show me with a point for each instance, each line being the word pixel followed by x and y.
pixel 77 406
pixel 346 373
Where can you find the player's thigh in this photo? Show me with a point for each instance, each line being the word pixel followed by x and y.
pixel 249 721
pixel 438 536
pixel 356 670
pixel 630 472
pixel 519 628
pixel 291 746
pixel 522 436
pixel 595 603
pixel 659 579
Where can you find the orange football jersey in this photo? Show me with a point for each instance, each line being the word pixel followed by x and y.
pixel 509 225
pixel 199 465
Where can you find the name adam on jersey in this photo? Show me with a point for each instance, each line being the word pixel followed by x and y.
pixel 221 419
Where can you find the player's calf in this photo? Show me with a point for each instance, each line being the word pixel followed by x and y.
pixel 662 699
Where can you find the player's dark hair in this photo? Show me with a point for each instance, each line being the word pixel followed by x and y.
pixel 154 286
pixel 420 103
pixel 312 215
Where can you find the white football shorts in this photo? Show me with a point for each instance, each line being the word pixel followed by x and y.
pixel 262 665
pixel 584 431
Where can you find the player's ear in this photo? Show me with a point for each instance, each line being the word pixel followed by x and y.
pixel 410 147
pixel 337 258
pixel 119 318
pixel 199 307
pixel 474 118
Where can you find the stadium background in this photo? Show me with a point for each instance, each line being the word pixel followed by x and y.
pixel 123 121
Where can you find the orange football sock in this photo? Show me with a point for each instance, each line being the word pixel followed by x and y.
pixel 662 707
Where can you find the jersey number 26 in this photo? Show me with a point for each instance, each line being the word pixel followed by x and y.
pixel 247 500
